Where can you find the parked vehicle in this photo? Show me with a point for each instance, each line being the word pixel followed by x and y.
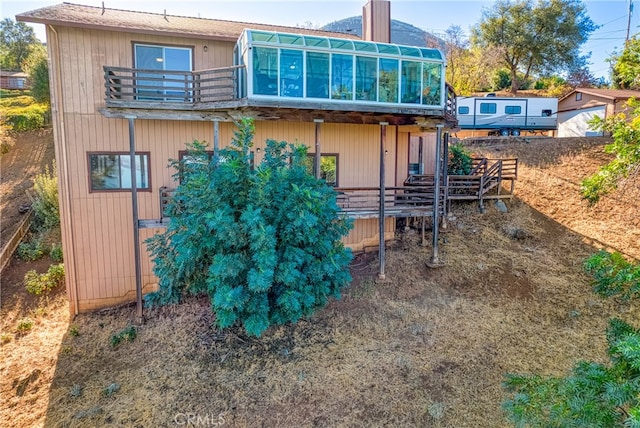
pixel 507 116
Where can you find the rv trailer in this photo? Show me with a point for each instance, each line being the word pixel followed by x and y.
pixel 507 116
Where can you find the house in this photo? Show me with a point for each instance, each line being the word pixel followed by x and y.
pixel 132 88
pixel 13 80
pixel 581 105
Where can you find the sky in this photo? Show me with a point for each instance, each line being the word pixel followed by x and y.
pixel 434 16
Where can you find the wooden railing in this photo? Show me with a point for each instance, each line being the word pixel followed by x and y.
pixel 123 85
pixel 450 108
pixel 402 201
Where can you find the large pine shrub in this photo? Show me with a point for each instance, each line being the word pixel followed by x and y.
pixel 264 244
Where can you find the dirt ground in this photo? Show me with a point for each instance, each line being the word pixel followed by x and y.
pixel 427 348
pixel 18 167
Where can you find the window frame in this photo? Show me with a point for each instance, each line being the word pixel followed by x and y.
pixel 163 88
pixel 463 110
pixel 512 109
pixel 312 156
pixel 492 110
pixel 578 96
pixel 149 187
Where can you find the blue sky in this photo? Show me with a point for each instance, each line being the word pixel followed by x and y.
pixel 431 15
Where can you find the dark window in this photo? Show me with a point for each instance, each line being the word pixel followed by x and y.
pixel 546 113
pixel 112 171
pixel 578 96
pixel 488 108
pixel 265 71
pixel 163 86
pixel 512 110
pixel 317 75
pixel 328 167
pixel 291 73
pixel 463 110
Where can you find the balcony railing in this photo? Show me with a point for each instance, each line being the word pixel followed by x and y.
pixel 126 85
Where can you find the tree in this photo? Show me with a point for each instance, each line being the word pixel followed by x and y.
pixel 625 131
pixel 37 68
pixel 264 244
pixel 542 38
pixel 16 40
pixel 626 66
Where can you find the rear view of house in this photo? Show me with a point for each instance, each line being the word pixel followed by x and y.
pixel 130 89
pixel 13 80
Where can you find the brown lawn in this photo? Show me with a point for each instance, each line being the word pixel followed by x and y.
pixel 428 348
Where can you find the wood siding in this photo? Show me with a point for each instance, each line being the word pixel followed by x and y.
pixel 97 227
pixel 588 100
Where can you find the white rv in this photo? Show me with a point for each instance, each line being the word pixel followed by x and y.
pixel 507 116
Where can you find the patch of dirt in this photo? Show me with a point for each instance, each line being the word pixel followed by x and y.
pixel 28 155
pixel 429 347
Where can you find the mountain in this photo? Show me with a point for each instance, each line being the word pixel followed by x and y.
pixel 401 32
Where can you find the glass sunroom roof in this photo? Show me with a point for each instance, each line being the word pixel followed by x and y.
pixel 348 45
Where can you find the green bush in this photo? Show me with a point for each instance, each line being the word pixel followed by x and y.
pixel 127 334
pixel 31 250
pixel 56 253
pixel 45 206
pixel 460 160
pixel 26 118
pixel 613 275
pixel 43 283
pixel 24 325
pixel 264 244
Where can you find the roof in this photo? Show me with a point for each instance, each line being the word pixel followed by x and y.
pixel 611 94
pixel 6 73
pixel 75 15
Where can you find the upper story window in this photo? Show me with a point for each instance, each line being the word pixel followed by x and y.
pixel 165 86
pixel 488 108
pixel 512 109
pixel 110 172
pixel 578 96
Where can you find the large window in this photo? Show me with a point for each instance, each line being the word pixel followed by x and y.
pixel 431 83
pixel 163 86
pixel 328 167
pixel 366 78
pixel 265 71
pixel 410 82
pixel 388 82
pixel 488 108
pixel 341 77
pixel 317 75
pixel 291 76
pixel 112 171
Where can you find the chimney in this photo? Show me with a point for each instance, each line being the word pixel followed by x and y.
pixel 376 21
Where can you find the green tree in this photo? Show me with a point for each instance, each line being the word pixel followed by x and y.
pixel 264 244
pixel 625 131
pixel 535 38
pixel 16 40
pixel 37 68
pixel 626 66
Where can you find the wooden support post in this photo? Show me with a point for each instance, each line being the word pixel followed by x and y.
pixel 318 155
pixel 136 225
pixel 435 259
pixel 445 178
pixel 216 142
pixel 381 249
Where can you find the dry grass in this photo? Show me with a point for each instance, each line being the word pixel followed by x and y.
pixel 428 348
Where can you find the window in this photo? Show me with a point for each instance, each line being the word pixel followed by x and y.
pixel 265 71
pixel 112 172
pixel 578 96
pixel 190 162
pixel 512 110
pixel 410 82
pixel 546 113
pixel 488 108
pixel 463 110
pixel 366 78
pixel 290 73
pixel 317 75
pixel 388 83
pixel 341 77
pixel 162 86
pixel 431 79
pixel 328 167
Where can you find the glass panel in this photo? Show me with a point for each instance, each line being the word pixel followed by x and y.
pixel 488 108
pixel 388 84
pixel 113 171
pixel 149 58
pixel 366 78
pixel 410 82
pixel 431 84
pixel 341 77
pixel 316 41
pixel 291 39
pixel 265 71
pixel 341 44
pixel 512 109
pixel 388 49
pixel 409 51
pixel 163 86
pixel 179 60
pixel 328 168
pixel 317 75
pixel 290 73
pixel 431 53
pixel 260 36
pixel 365 47
pixel 463 110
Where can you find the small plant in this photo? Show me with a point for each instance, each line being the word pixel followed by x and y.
pixel 111 389
pixel 24 325
pixel 125 335
pixel 43 283
pixel 460 160
pixel 76 391
pixel 45 206
pixel 31 250
pixel 56 253
pixel 74 331
pixel 5 338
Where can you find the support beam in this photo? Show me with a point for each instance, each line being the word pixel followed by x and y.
pixel 381 249
pixel 318 154
pixel 136 226
pixel 216 141
pixel 445 178
pixel 435 259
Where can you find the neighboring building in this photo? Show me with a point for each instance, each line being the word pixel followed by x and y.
pixel 14 80
pixel 581 105
pixel 154 82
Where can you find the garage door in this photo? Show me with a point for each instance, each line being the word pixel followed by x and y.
pixel 574 123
